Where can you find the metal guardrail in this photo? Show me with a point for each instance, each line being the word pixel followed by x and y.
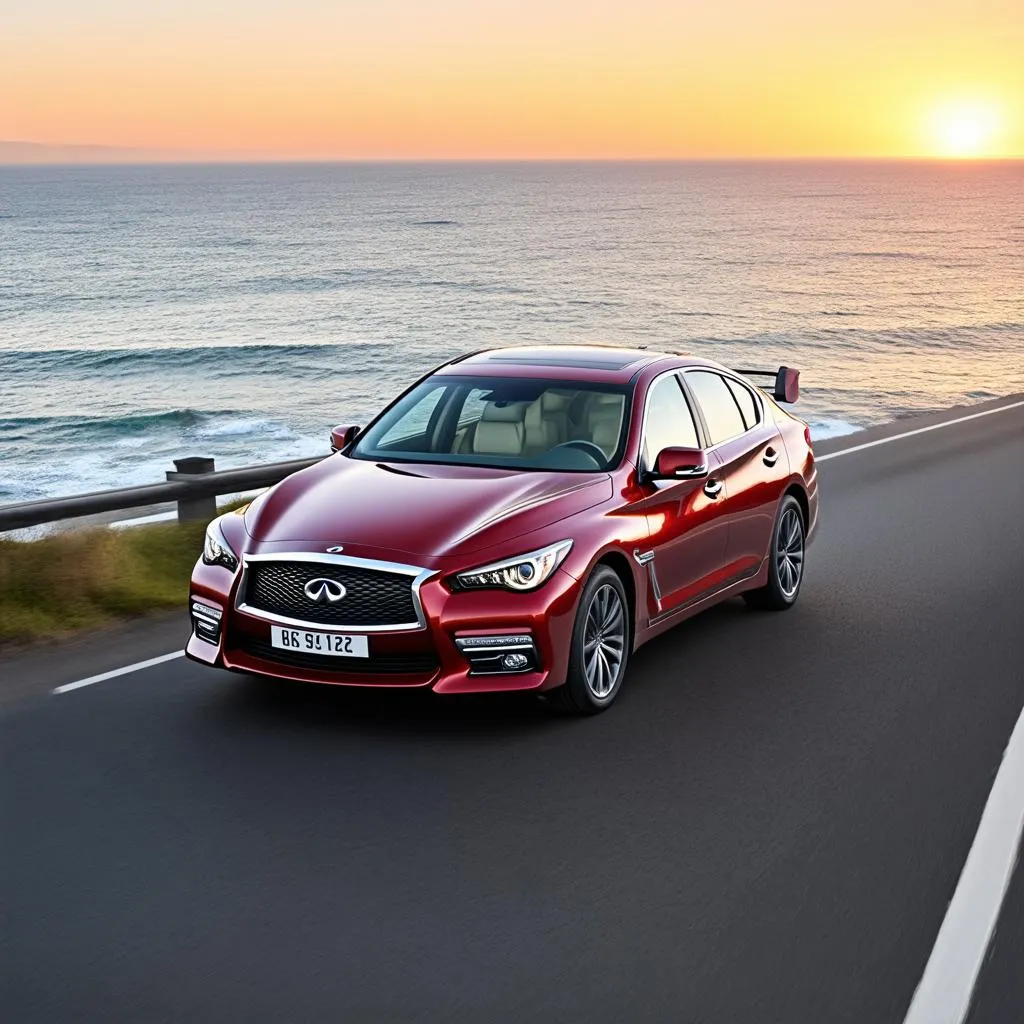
pixel 194 484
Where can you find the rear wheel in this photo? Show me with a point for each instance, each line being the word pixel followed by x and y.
pixel 785 560
pixel 601 640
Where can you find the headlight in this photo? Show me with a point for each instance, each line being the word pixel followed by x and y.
pixel 216 550
pixel 524 572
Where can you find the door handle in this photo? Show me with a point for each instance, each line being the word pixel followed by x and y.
pixel 771 456
pixel 713 488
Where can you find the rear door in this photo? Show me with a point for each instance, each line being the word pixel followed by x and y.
pixel 751 455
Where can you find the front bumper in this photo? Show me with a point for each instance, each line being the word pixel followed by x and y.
pixel 458 649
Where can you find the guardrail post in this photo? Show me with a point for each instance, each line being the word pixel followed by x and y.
pixel 191 510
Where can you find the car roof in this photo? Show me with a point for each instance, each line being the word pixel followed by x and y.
pixel 597 363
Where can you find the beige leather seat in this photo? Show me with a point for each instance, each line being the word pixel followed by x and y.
pixel 547 422
pixel 501 430
pixel 604 421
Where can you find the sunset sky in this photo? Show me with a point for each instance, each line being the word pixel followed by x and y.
pixel 367 79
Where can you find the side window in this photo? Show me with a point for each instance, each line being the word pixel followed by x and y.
pixel 721 413
pixel 746 401
pixel 472 407
pixel 415 421
pixel 669 421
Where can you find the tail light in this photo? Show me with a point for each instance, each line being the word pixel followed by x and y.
pixel 807 436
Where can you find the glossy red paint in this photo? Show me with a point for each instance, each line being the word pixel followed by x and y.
pixel 679 545
pixel 424 510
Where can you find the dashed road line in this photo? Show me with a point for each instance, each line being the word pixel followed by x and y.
pixel 114 673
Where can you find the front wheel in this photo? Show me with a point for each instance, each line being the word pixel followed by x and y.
pixel 785 560
pixel 601 639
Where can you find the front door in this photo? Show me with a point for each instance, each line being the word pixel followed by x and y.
pixel 752 462
pixel 686 554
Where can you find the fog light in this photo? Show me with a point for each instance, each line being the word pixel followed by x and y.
pixel 504 652
pixel 206 622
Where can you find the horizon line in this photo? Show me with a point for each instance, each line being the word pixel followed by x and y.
pixel 20 152
pixel 240 160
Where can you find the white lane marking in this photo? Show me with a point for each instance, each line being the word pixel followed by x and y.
pixel 103 676
pixel 944 993
pixel 912 433
pixel 821 458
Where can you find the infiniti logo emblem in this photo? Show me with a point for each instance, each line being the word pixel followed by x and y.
pixel 324 591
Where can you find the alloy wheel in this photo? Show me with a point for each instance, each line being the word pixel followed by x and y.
pixel 789 555
pixel 604 641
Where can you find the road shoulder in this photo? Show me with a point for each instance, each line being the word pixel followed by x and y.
pixel 28 670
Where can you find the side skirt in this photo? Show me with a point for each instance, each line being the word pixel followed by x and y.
pixel 660 623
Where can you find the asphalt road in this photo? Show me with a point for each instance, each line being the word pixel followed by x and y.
pixel 768 826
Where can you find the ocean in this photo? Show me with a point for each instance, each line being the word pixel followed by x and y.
pixel 239 311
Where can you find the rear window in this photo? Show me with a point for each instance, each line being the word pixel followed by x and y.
pixel 746 401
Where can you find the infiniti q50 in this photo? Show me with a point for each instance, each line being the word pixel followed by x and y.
pixel 518 519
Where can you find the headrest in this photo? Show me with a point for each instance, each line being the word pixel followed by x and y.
pixel 553 401
pixel 509 412
pixel 501 430
pixel 605 420
pixel 605 407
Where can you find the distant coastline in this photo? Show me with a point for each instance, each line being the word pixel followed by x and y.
pixel 35 153
pixel 14 153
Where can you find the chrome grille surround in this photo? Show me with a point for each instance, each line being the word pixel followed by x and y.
pixel 417 575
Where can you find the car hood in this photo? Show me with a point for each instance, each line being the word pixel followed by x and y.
pixel 429 510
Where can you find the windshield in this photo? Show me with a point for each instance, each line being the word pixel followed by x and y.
pixel 518 423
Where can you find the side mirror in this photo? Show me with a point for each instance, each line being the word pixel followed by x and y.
pixel 343 436
pixel 681 463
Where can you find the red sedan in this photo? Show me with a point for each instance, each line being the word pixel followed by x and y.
pixel 519 519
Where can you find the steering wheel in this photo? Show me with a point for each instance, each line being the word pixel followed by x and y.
pixel 587 447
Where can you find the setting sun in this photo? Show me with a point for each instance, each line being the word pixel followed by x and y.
pixel 964 130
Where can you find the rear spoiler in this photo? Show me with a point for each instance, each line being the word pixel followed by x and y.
pixel 787 382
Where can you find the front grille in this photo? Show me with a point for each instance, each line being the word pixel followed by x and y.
pixel 376 664
pixel 372 597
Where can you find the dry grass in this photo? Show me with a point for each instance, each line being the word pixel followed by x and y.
pixel 85 578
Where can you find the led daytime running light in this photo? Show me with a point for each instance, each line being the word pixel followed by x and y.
pixel 523 572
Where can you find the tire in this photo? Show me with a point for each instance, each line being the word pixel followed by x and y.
pixel 786 558
pixel 601 642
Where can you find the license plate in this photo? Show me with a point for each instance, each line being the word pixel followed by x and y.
pixel 307 642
